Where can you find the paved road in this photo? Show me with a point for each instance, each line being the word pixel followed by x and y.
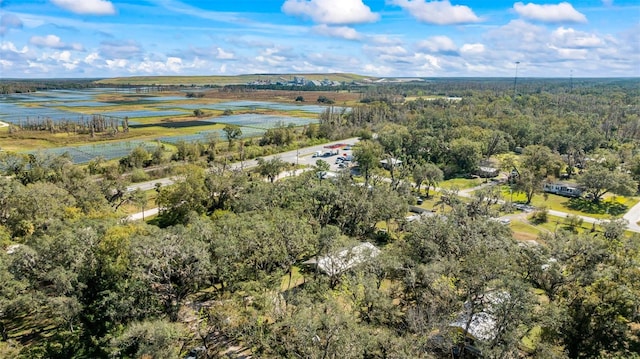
pixel 633 216
pixel 303 156
pixel 633 213
pixel 142 215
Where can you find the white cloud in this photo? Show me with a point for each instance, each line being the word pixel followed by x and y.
pixel 87 7
pixel 343 32
pixel 438 12
pixel 519 35
pixel 562 12
pixel 570 54
pixel 385 50
pixel 120 50
pixel 117 64
pixel 377 70
pixel 331 11
pixel 9 21
pixel 472 49
pixel 570 38
pixel 92 58
pixel 54 42
pixel 438 44
pixel 384 40
pixel 224 55
pixel 10 47
pixel 607 2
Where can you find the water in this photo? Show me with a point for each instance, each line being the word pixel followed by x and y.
pixel 254 105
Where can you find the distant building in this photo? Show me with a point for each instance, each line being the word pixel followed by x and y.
pixel 563 189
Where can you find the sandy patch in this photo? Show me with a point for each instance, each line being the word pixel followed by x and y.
pixel 2 124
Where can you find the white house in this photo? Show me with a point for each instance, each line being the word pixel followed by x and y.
pixel 337 263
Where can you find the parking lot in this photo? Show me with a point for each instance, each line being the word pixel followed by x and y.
pixel 339 159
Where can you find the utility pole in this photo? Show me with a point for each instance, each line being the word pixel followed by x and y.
pixel 515 81
pixel 571 81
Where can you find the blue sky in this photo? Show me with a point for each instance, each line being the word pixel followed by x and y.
pixel 106 38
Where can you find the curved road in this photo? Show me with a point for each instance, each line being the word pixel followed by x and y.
pixel 304 156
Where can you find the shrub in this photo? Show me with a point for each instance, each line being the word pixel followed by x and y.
pixel 540 216
pixel 324 99
pixel 139 175
pixel 299 99
pixel 573 222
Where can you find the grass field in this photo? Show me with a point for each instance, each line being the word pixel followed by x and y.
pixel 611 206
pixel 460 183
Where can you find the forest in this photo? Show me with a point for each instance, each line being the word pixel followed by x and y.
pixel 227 267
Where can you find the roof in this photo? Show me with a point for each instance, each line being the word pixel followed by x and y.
pixel 339 262
pixel 336 146
pixel 392 160
pixel 483 324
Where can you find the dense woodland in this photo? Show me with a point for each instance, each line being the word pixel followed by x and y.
pixel 221 266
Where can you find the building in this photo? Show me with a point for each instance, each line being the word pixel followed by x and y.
pixel 334 264
pixel 481 325
pixel 390 162
pixel 563 189
pixel 487 172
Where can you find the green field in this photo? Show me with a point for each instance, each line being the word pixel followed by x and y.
pixel 610 206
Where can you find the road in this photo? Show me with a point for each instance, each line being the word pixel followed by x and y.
pixel 633 216
pixel 303 156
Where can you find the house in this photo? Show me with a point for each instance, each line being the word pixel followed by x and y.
pixel 487 172
pixel 346 259
pixel 481 325
pixel 390 162
pixel 563 189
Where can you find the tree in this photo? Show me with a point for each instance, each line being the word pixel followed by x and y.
pixel 173 263
pixel 464 155
pixel 149 339
pixel 212 141
pixel 137 158
pixel 322 167
pixel 538 163
pixel 271 168
pixel 594 293
pixel 233 132
pixel 367 154
pixel 598 180
pixel 432 176
pixel 177 201
pixel 495 142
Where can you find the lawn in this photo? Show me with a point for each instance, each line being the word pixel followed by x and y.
pixel 296 279
pixel 525 231
pixel 461 183
pixel 611 206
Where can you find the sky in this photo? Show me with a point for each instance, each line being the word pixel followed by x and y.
pixel 393 38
